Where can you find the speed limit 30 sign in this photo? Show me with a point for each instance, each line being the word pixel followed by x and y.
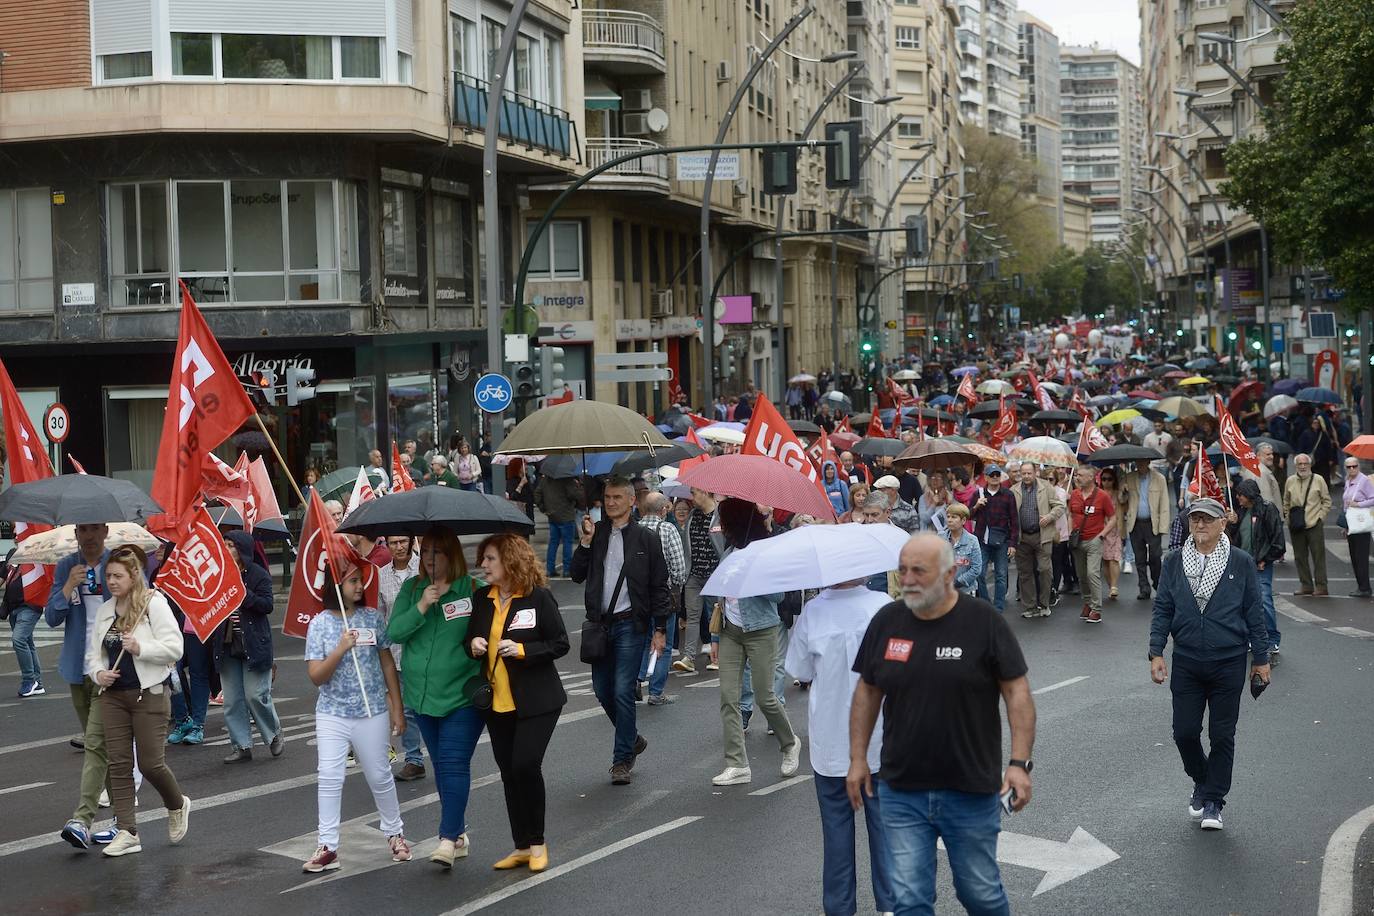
pixel 57 423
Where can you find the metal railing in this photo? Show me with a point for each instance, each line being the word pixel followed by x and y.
pixel 602 29
pixel 601 150
pixel 526 120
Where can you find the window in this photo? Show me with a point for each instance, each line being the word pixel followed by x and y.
pixel 277 57
pixel 193 54
pixel 448 236
pixel 361 59
pixel 26 280
pixel 563 240
pixel 251 240
pixel 138 65
pixel 463 44
pixel 524 70
pixel 911 82
pixel 405 68
pixel 908 38
pixel 400 247
pixel 909 128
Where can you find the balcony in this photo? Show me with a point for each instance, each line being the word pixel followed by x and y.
pixel 647 174
pixel 537 125
pixel 1259 58
pixel 619 41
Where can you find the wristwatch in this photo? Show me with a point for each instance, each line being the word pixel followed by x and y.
pixel 1026 764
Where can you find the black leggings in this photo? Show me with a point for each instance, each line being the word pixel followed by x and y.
pixel 1359 558
pixel 518 746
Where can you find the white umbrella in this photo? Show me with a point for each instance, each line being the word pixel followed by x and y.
pixel 802 378
pixel 51 546
pixel 905 375
pixel 812 556
pixel 1278 404
pixel 996 386
pixel 1045 450
pixel 731 433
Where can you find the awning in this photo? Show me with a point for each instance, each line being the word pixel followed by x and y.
pixel 599 96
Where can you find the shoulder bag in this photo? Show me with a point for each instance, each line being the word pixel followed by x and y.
pixel 596 635
pixel 1297 516
pixel 1359 520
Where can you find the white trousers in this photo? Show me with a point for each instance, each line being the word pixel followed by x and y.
pixel 369 739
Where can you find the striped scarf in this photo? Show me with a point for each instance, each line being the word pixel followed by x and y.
pixel 1204 572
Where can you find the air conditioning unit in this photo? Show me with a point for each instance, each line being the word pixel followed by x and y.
pixel 663 303
pixel 724 72
pixel 741 187
pixel 635 125
pixel 638 100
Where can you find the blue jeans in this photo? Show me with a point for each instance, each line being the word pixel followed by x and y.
pixel 451 740
pixel 968 824
pixel 195 661
pixel 564 532
pixel 22 622
pixel 1271 619
pixel 665 661
pixel 838 877
pixel 410 741
pixel 994 559
pixel 246 693
pixel 613 682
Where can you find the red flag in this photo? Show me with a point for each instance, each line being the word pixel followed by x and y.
pixel 896 430
pixel 220 481
pixel 205 405
pixel 875 427
pixel 1204 484
pixel 822 451
pixel 400 479
pixel 362 492
pixel 1042 397
pixel 698 421
pixel 321 549
pixel 1005 427
pixel 202 576
pixel 261 504
pixel 769 435
pixel 28 462
pixel 900 396
pixel 844 426
pixel 1090 438
pixel 76 464
pixel 966 389
pixel 1232 441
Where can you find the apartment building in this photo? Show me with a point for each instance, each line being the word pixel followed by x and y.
pixel 1102 140
pixel 311 170
pixel 989 71
pixel 1041 126
pixel 926 60
pixel 1189 94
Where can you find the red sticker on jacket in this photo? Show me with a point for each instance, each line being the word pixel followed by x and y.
pixel 898 650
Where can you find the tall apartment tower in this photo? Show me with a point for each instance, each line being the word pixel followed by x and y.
pixel 989 71
pixel 1041 124
pixel 1103 125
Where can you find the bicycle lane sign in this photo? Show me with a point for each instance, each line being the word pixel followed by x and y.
pixel 493 392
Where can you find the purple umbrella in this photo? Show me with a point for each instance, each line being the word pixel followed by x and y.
pixel 1289 386
pixel 965 370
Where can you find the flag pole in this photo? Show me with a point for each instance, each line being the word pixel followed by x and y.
pixel 338 593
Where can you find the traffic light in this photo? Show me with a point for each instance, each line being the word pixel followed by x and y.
pixel 1254 335
pixel 780 171
pixel 729 363
pixel 524 381
pixel 842 161
pixel 265 384
pixel 551 371
pixel 298 387
pixel 917 234
pixel 866 347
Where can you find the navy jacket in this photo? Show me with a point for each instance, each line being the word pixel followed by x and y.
pixel 1232 620
pixel 253 612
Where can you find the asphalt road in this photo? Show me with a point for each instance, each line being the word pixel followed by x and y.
pixel 1106 832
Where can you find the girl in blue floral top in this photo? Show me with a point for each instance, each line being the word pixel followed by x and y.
pixel 359 705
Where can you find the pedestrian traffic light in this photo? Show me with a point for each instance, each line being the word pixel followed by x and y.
pixel 729 363
pixel 298 387
pixel 916 236
pixel 551 370
pixel 867 346
pixel 780 171
pixel 265 384
pixel 842 160
pixel 524 381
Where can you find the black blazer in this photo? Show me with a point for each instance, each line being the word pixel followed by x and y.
pixel 646 574
pixel 534 681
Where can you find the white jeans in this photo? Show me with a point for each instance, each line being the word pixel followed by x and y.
pixel 369 739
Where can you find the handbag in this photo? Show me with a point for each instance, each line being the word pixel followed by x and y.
pixel 595 645
pixel 477 691
pixel 717 618
pixel 1075 539
pixel 1359 520
pixel 1297 516
pixel 234 646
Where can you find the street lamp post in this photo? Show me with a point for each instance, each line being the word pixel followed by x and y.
pixel 708 326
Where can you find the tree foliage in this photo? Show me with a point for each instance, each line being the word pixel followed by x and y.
pixel 1003 184
pixel 1307 179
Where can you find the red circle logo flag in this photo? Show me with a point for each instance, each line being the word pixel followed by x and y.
pixel 320 550
pixel 202 576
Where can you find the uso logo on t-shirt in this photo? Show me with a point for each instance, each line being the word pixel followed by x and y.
pixel 898 650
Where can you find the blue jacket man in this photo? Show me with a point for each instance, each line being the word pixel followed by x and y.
pixel 1209 602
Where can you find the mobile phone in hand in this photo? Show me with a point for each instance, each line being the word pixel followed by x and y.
pixel 1008 798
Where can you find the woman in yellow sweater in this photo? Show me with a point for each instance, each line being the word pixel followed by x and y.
pixel 517 632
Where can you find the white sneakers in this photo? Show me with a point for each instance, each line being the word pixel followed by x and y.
pixel 124 843
pixel 791 759
pixel 734 776
pixel 178 821
pixel 448 850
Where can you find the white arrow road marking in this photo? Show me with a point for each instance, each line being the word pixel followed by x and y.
pixel 1337 894
pixel 1061 862
pixel 558 871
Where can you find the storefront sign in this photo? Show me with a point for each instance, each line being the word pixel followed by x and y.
pixel 632 329
pixel 78 294
pixel 401 289
pixel 673 326
pixel 248 364
pixel 562 301
pixel 571 332
pixel 447 291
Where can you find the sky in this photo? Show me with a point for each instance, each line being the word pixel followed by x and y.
pixel 1111 24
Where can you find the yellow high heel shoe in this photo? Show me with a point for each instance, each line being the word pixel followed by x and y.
pixel 514 860
pixel 539 858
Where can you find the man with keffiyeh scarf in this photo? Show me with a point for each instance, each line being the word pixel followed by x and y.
pixel 1209 602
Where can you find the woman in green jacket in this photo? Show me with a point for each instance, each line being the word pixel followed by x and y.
pixel 430 619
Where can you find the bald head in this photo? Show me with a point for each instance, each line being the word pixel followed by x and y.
pixel 654 503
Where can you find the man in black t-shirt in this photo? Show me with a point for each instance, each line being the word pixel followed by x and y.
pixel 936 662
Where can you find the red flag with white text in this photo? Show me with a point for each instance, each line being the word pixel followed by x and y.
pixel 1005 427
pixel 1232 440
pixel 400 478
pixel 895 431
pixel 202 576
pixel 261 504
pixel 220 481
pixel 205 405
pixel 321 549
pixel 1204 484
pixel 966 389
pixel 875 427
pixel 76 464
pixel 1042 397
pixel 362 492
pixel 769 435
pixel 27 462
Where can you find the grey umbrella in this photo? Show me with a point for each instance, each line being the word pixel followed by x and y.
pixel 877 447
pixel 77 499
pixel 637 462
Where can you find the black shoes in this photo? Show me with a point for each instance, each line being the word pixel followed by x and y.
pixel 239 755
pixel 278 745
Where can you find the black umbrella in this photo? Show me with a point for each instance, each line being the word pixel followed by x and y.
pixel 270 530
pixel 992 408
pixel 1055 416
pixel 77 499
pixel 1158 371
pixel 1124 454
pixel 637 462
pixel 927 413
pixel 1095 384
pixel 877 447
pixel 805 427
pixel 1136 380
pixel 417 512
pixel 1280 447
